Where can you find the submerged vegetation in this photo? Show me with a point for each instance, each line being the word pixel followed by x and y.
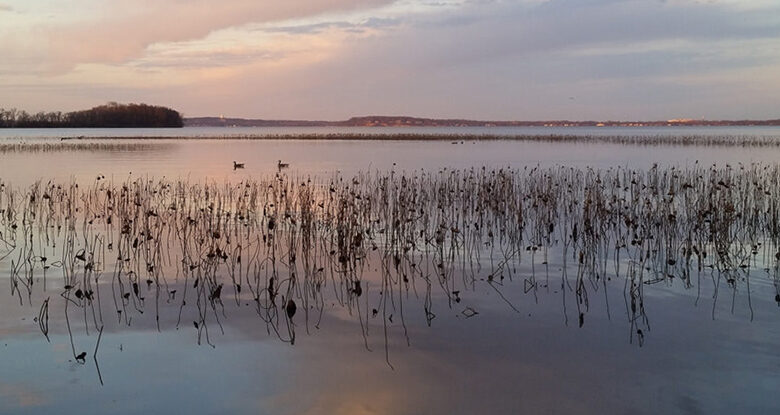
pixel 640 140
pixel 383 245
pixel 107 143
pixel 111 115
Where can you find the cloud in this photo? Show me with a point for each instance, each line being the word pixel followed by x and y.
pixel 124 30
pixel 475 59
pixel 621 59
pixel 372 23
pixel 504 30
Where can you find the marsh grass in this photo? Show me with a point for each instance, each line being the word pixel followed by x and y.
pixel 106 145
pixel 640 140
pixel 96 144
pixel 288 246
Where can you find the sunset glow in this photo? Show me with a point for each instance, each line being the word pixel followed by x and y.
pixel 332 59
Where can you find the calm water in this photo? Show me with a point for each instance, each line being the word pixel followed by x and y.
pixel 213 159
pixel 522 353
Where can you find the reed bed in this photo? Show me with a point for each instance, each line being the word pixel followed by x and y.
pixel 290 247
pixel 625 139
pixel 106 145
pixel 135 142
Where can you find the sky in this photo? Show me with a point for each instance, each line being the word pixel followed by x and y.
pixel 334 59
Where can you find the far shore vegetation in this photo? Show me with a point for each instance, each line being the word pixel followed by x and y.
pixel 135 143
pixel 111 115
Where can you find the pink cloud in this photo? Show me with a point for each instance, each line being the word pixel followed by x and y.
pixel 123 32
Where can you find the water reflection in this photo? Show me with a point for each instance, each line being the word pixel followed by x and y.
pixel 568 270
pixel 213 159
pixel 288 246
pixel 455 366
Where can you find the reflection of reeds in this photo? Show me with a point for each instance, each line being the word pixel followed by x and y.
pixel 88 146
pixel 139 143
pixel 290 245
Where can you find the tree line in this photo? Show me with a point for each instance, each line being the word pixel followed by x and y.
pixel 111 115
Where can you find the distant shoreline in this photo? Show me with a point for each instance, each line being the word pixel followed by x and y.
pixel 404 121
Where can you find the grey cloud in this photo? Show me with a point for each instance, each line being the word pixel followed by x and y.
pixel 509 29
pixel 503 60
pixel 374 23
pixel 377 22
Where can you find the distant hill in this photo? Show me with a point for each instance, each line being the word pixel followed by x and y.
pixel 242 122
pixel 403 121
pixel 111 115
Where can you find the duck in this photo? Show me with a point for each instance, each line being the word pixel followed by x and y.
pixel 282 165
pixel 237 165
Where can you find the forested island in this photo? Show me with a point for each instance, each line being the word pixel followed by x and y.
pixel 111 115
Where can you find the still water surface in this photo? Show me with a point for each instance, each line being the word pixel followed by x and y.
pixel 209 158
pixel 521 354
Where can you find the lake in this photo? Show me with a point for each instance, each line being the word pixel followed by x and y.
pixel 388 277
pixel 207 157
